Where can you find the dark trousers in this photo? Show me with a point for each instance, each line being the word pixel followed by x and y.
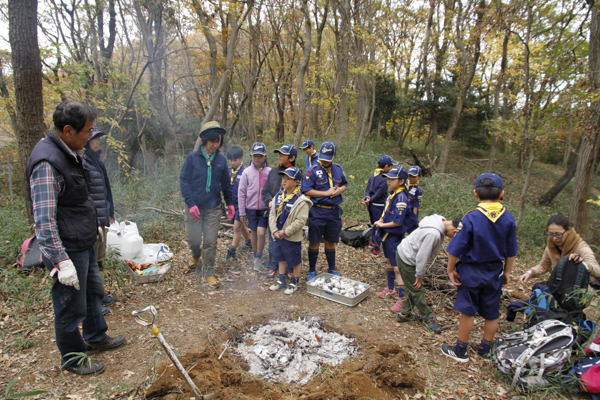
pixel 73 307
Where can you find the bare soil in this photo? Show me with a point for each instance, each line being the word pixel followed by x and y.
pixel 394 361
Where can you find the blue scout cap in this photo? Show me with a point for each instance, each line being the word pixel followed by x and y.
pixel 258 148
pixel 306 144
pixel 292 172
pixel 397 173
pixel 288 150
pixel 97 133
pixel 415 170
pixel 496 180
pixel 327 151
pixel 387 160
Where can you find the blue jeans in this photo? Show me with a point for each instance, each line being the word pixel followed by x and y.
pixel 272 264
pixel 73 307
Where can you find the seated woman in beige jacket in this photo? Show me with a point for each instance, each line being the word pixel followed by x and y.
pixel 563 241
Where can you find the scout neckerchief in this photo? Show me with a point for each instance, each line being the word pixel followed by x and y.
pixel 209 164
pixel 328 171
pixel 377 171
pixel 314 152
pixel 492 211
pixel 261 167
pixel 413 184
pixel 234 173
pixel 285 199
pixel 389 200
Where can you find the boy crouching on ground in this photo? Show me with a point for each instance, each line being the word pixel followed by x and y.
pixel 414 254
pixel 487 238
pixel 289 213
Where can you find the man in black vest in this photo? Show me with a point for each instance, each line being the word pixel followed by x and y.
pixel 66 229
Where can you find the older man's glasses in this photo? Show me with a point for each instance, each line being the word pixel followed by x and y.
pixel 556 235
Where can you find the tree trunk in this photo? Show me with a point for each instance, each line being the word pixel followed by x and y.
pixel 590 140
pixel 27 70
pixel 341 83
pixel 547 197
pixel 315 125
pixel 300 86
pixel 464 82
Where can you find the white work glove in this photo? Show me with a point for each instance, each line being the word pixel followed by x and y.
pixel 101 233
pixel 67 274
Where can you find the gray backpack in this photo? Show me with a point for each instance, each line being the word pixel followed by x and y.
pixel 528 355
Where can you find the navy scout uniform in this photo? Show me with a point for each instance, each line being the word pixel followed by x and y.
pixel 415 195
pixel 284 250
pixel 236 175
pixel 396 210
pixel 486 239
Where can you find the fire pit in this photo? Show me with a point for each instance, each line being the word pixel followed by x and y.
pixel 290 352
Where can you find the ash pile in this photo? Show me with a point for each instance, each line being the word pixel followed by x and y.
pixel 290 352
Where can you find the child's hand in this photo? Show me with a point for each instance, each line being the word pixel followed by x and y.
pixel 505 279
pixel 454 278
pixel 278 235
pixel 365 202
pixel 243 218
pixel 378 224
pixel 418 283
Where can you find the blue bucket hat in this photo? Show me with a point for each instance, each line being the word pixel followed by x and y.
pixel 258 148
pixel 415 170
pixel 397 173
pixel 387 160
pixel 327 151
pixel 288 150
pixel 292 172
pixel 496 180
pixel 306 144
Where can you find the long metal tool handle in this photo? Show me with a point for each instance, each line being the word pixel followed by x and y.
pixel 137 315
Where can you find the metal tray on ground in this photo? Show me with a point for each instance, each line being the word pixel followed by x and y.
pixel 338 298
pixel 148 278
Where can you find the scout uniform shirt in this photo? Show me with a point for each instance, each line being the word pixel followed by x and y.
pixel 283 204
pixel 396 209
pixel 317 178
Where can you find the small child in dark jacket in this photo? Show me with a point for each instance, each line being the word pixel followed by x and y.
pixel 376 192
pixel 235 156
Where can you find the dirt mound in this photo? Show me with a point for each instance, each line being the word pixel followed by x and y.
pixel 382 371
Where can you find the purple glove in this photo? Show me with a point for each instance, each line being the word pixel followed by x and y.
pixel 230 212
pixel 195 212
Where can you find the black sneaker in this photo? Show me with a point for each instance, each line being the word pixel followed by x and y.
pixel 106 311
pixel 408 318
pixel 451 352
pixel 486 355
pixel 230 255
pixel 434 326
pixel 108 301
pixel 85 367
pixel 109 344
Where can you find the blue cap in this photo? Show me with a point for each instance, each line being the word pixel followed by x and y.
pixel 306 144
pixel 288 150
pixel 496 180
pixel 327 151
pixel 292 172
pixel 96 133
pixel 387 160
pixel 259 148
pixel 415 170
pixel 398 172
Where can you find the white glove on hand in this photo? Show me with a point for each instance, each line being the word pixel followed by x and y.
pixel 67 274
pixel 101 233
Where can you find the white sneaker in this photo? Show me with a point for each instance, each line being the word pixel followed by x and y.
pixel 291 288
pixel 258 265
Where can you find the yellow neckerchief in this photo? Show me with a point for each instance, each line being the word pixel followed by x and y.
pixel 415 184
pixel 314 152
pixel 286 198
pixel 328 171
pixel 234 173
pixel 492 211
pixel 389 200
pixel 377 171
pixel 261 168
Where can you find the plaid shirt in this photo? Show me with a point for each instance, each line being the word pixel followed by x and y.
pixel 46 184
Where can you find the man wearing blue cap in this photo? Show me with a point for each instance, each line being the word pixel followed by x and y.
pixel 376 192
pixel 311 153
pixel 289 212
pixel 415 195
pixel 286 157
pixel 324 184
pixel 486 246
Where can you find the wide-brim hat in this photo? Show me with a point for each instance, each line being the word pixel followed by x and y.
pixel 212 126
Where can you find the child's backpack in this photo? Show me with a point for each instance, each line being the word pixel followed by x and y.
pixel 356 238
pixel 540 303
pixel 30 255
pixel 587 373
pixel 528 355
pixel 566 279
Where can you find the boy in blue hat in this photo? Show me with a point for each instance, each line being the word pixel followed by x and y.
pixel 324 184
pixel 376 192
pixel 289 212
pixel 312 154
pixel 486 245
pixel 391 227
pixel 286 157
pixel 415 195
pixel 235 156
